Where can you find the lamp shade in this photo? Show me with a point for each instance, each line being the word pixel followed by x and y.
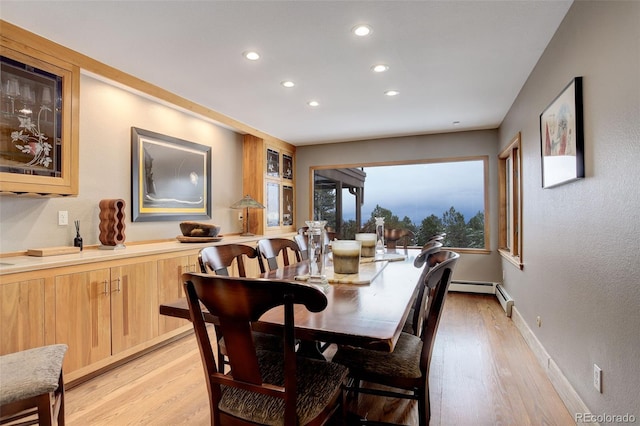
pixel 247 203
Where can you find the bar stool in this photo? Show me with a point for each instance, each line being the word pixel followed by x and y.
pixel 32 384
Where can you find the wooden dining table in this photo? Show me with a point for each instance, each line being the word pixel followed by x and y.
pixel 358 313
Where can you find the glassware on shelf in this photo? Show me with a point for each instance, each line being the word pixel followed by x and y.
pixel 316 247
pixel 379 235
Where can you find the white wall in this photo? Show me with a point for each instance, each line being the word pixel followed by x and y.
pixel 480 267
pixel 107 114
pixel 582 240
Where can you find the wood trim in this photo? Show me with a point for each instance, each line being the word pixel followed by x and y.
pixel 565 390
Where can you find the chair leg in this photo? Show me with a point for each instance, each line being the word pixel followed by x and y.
pixel 424 408
pixel 59 408
pixel 45 412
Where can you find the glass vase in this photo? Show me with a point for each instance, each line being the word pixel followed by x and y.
pixel 316 246
pixel 379 235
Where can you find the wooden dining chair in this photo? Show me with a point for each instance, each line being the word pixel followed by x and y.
pixel 32 384
pixel 264 387
pixel 426 260
pixel 270 248
pixel 407 367
pixel 217 260
pixel 301 240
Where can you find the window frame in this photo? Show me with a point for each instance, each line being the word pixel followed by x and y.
pixel 483 158
pixel 510 196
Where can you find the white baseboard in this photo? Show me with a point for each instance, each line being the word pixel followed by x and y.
pixel 565 390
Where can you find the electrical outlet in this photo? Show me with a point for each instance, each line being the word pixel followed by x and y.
pixel 539 321
pixel 597 378
pixel 63 218
pixel 239 215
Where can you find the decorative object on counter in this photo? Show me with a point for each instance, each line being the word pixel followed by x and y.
pixel 112 224
pixel 52 251
pixel 247 203
pixel 196 229
pixel 368 244
pixel 379 235
pixel 316 249
pixel 346 256
pixel 195 232
pixel 77 241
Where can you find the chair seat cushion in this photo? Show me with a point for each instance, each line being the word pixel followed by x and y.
pixel 317 383
pixel 30 373
pixel 403 362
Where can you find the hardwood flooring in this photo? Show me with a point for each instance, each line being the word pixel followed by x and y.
pixel 482 373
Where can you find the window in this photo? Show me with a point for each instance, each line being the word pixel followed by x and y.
pixel 510 223
pixel 424 197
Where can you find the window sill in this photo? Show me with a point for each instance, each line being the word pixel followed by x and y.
pixel 514 260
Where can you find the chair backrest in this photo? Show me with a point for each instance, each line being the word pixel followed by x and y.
pixel 427 250
pixel 270 248
pixel 392 235
pixel 237 302
pixel 426 257
pixel 218 259
pixel 301 240
pixel 437 281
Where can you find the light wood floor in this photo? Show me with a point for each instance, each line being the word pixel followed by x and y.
pixel 482 373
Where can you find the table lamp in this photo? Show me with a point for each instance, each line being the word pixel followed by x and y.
pixel 247 203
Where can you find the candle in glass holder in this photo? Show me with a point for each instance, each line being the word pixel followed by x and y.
pixel 346 256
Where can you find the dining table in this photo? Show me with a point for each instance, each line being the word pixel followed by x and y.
pixel 366 310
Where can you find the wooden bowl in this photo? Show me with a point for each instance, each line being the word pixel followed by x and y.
pixel 196 229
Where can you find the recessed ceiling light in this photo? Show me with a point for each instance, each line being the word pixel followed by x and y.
pixel 392 93
pixel 287 83
pixel 455 123
pixel 361 30
pixel 380 68
pixel 251 55
pixel 313 103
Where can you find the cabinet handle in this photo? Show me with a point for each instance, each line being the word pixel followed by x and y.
pixel 118 281
pixel 106 286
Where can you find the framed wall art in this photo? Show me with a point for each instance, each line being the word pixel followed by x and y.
pixel 170 178
pixel 562 137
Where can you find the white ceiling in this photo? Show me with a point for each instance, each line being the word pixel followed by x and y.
pixel 451 60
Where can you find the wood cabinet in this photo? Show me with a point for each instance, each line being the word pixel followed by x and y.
pixel 269 178
pixel 39 117
pixel 22 318
pixel 101 312
pixel 170 286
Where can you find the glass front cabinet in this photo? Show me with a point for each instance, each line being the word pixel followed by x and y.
pixel 271 182
pixel 38 122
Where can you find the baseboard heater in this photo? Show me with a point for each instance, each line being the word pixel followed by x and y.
pixel 505 300
pixel 473 286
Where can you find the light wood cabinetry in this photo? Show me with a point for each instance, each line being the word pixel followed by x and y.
pixel 22 317
pixel 269 178
pixel 101 312
pixel 170 286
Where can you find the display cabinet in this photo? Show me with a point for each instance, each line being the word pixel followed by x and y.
pixel 269 178
pixel 38 118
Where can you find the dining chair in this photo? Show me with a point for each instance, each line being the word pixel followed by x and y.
pixel 217 260
pixel 301 240
pixel 270 248
pixel 407 367
pixel 32 384
pixel 264 387
pixel 393 235
pixel 426 260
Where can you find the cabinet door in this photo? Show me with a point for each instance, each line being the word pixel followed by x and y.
pixel 21 315
pixel 134 305
pixel 83 317
pixel 170 287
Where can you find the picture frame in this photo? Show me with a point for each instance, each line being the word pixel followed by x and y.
pixel 562 137
pixel 170 178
